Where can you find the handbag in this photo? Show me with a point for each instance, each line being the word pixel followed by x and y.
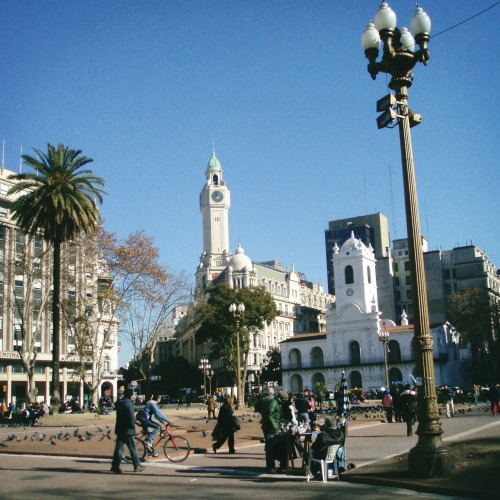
pixel 236 424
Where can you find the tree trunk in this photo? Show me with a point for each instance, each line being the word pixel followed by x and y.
pixel 56 319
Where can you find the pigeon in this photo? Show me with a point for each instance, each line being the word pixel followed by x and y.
pixel 205 433
pixel 194 427
pixel 76 432
pixel 3 445
pixel 103 437
pixel 109 436
pixel 98 429
pixel 41 437
pixel 52 441
pixel 89 434
pixel 81 438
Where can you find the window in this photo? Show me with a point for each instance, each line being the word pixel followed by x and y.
pixel 408 280
pixel 369 274
pixel 4 189
pixel 396 280
pixel 396 267
pixel 407 265
pixel 349 275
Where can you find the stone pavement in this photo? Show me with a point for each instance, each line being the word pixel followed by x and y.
pixel 477 455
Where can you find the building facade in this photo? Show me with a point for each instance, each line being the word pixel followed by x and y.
pixel 301 305
pixel 351 342
pixel 25 314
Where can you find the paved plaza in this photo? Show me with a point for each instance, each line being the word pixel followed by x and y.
pixel 378 450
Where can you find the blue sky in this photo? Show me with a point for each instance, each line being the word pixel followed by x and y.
pixel 144 88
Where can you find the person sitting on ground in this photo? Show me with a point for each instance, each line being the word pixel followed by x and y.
pixel 145 418
pixel 330 435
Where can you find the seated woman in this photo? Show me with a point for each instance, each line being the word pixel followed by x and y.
pixel 330 435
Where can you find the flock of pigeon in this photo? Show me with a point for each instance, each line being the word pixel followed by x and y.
pixel 62 436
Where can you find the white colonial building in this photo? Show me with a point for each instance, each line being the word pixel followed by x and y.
pixel 351 342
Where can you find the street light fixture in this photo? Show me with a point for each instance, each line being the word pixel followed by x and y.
pixel 383 336
pixel 258 374
pixel 238 311
pixel 205 369
pixel 210 374
pixel 429 457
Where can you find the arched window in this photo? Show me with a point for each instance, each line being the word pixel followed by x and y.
pixel 215 180
pixel 317 378
pixel 296 383
pixel 393 352
pixel 355 380
pixel 349 275
pixel 317 358
pixel 295 358
pixel 369 274
pixel 355 352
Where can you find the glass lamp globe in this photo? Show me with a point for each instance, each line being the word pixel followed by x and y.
pixel 420 22
pixel 385 18
pixel 370 39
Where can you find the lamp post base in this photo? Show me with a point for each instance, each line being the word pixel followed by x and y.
pixel 430 460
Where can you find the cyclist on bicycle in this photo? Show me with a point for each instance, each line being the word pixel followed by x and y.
pixel 145 418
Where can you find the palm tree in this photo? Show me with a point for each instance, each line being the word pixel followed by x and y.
pixel 58 200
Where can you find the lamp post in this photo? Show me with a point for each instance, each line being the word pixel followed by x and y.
pixel 238 311
pixel 258 374
pixel 429 457
pixel 204 367
pixel 210 374
pixel 383 336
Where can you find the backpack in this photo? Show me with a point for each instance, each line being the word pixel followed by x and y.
pixel 142 416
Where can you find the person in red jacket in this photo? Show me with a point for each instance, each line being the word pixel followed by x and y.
pixel 387 404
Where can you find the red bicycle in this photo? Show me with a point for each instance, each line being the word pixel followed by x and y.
pixel 176 448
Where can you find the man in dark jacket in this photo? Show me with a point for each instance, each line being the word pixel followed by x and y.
pixel 125 432
pixel 270 410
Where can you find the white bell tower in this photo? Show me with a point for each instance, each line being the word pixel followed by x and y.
pixel 215 200
pixel 355 278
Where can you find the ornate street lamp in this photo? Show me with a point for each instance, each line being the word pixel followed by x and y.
pixel 383 336
pixel 204 368
pixel 238 311
pixel 210 374
pixel 429 457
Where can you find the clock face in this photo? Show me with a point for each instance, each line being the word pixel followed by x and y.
pixel 349 291
pixel 217 196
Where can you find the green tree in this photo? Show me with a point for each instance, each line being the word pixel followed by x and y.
pixel 58 200
pixel 474 314
pixel 271 370
pixel 217 325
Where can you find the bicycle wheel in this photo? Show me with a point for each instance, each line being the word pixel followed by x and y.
pixel 176 448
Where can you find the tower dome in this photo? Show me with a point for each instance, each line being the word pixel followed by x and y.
pixel 214 164
pixel 239 261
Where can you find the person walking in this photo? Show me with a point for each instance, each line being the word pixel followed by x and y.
pixel 270 410
pixel 494 397
pixel 302 406
pixel 211 407
pixel 125 433
pixel 476 392
pixel 448 401
pixel 387 404
pixel 227 426
pixel 408 401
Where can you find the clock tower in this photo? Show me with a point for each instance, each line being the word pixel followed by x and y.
pixel 215 201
